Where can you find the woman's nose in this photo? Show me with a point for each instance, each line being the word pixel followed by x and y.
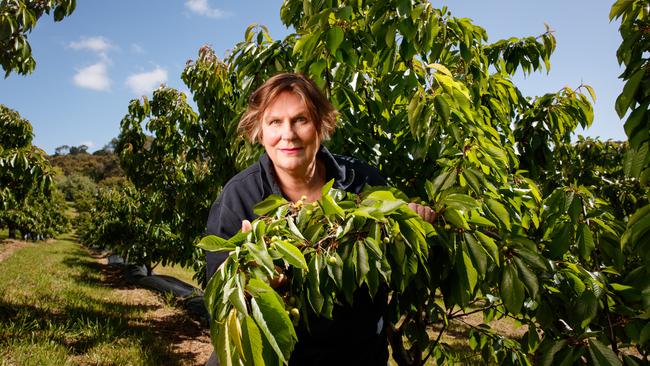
pixel 288 132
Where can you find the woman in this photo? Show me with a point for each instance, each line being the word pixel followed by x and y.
pixel 290 117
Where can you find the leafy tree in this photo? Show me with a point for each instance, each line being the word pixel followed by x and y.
pixel 428 100
pixel 39 216
pixel 17 19
pixel 23 167
pixel 61 150
pixel 125 221
pixel 171 162
pixel 601 166
pixel 81 149
pixel 632 53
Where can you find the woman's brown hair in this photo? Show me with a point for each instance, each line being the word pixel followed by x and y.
pixel 321 111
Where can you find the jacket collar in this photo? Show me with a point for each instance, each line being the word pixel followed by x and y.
pixel 343 175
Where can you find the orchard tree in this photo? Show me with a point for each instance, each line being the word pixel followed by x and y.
pixel 17 19
pixel 23 167
pixel 40 216
pixel 635 99
pixel 633 54
pixel 427 99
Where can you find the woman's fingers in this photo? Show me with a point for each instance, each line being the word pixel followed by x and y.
pixel 425 212
pixel 246 226
pixel 279 279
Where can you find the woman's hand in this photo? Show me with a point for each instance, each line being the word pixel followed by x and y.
pixel 275 281
pixel 426 213
pixel 246 226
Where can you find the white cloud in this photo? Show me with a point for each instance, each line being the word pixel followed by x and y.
pixel 202 7
pixel 93 77
pixel 145 82
pixel 97 44
pixel 88 143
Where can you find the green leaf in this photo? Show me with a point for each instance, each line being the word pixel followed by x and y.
pixel 374 247
pixel 237 297
pixel 362 266
pixel 511 289
pixel 223 347
pixel 314 295
pixel 234 332
pixel 442 107
pixel 291 254
pixel 591 91
pixel 602 355
pixel 478 253
pixel 213 243
pixel 261 256
pixel 626 98
pixel 272 319
pixel 335 37
pixel 499 210
pixel 636 126
pixel 528 277
pixel 619 8
pixel 561 241
pixel 635 161
pixel 349 276
pixel 585 241
pixel 489 244
pixel 586 308
pixel 637 226
pixel 294 229
pixel 335 270
pixel 470 272
pixel 251 342
pixel 548 355
pixel 455 218
pixel 270 204
pixel 531 257
pixel 440 68
pixel 330 208
pixel 460 201
pixel 477 219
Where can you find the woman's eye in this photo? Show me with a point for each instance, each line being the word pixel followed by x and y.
pixel 301 119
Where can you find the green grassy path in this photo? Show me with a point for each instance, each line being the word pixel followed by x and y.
pixel 61 306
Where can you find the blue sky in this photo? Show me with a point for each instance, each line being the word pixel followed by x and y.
pixel 90 65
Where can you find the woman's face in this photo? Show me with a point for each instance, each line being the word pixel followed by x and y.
pixel 289 135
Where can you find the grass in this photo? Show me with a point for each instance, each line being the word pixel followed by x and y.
pixel 56 309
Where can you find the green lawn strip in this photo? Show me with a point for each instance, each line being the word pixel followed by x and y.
pixel 55 310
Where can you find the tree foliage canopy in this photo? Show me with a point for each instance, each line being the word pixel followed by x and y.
pixel 23 167
pixel 17 19
pixel 527 226
pixel 27 203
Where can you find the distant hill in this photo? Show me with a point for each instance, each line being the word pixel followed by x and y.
pixel 98 166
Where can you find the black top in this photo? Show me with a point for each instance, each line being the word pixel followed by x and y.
pixel 354 336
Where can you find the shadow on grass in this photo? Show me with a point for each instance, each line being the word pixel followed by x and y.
pixel 80 322
pixel 94 273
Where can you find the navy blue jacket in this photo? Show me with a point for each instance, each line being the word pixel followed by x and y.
pixel 354 336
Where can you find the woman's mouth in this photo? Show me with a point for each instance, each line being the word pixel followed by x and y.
pixel 291 150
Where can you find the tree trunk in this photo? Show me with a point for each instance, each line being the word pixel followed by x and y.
pixel 12 230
